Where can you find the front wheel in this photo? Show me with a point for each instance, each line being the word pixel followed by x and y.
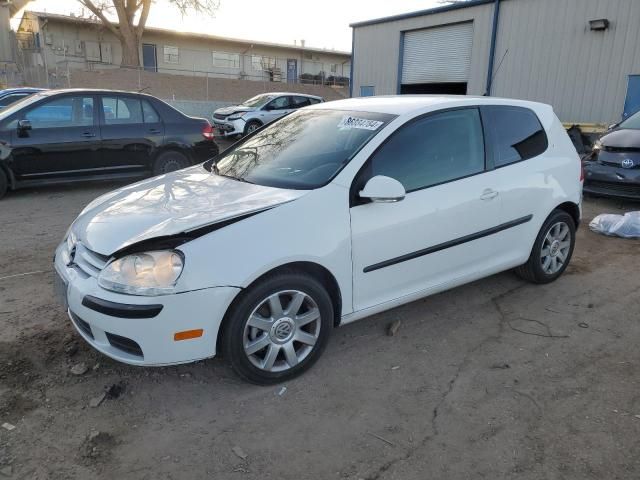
pixel 251 127
pixel 552 249
pixel 278 328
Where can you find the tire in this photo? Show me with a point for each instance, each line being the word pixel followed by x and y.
pixel 557 229
pixel 170 162
pixel 4 183
pixel 251 126
pixel 265 346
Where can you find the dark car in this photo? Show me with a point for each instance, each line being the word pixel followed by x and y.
pixel 613 167
pixel 60 136
pixel 9 96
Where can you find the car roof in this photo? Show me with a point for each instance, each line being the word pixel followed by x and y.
pixel 297 94
pixel 7 91
pixel 407 104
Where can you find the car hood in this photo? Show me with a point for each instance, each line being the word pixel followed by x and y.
pixel 232 109
pixel 623 138
pixel 170 204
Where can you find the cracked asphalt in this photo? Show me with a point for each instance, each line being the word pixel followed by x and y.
pixel 498 379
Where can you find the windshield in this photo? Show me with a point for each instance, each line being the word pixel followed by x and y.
pixel 633 122
pixel 257 101
pixel 302 151
pixel 14 107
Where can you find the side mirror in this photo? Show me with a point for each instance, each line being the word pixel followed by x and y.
pixel 24 125
pixel 383 189
pixel 268 108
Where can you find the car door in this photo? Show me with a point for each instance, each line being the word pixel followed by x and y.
pixel 516 141
pixel 439 232
pixel 131 132
pixel 277 108
pixel 63 139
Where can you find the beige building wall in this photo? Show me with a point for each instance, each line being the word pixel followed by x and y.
pixel 82 44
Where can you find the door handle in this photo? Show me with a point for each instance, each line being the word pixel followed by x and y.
pixel 88 135
pixel 154 131
pixel 488 194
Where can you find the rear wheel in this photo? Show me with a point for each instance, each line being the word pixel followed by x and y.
pixel 278 328
pixel 251 126
pixel 552 249
pixel 4 183
pixel 169 162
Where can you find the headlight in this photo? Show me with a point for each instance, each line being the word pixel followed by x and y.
pixel 149 273
pixel 236 116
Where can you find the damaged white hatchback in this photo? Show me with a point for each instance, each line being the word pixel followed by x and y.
pixel 333 213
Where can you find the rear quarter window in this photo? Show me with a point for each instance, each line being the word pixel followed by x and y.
pixel 514 134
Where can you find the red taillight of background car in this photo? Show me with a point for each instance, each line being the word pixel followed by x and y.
pixel 208 132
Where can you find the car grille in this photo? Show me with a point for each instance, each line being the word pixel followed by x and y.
pixel 83 326
pixel 621 149
pixel 219 116
pixel 611 187
pixel 125 344
pixel 87 261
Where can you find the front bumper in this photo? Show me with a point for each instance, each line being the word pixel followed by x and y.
pixel 612 181
pixel 229 128
pixel 143 341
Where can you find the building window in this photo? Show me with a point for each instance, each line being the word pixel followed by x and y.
pixel 171 54
pixel 367 91
pixel 226 60
pixel 334 68
pixel 259 62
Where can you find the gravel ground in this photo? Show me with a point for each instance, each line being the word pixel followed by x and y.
pixel 496 379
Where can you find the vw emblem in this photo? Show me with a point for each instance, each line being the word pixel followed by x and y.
pixel 283 330
pixel 627 163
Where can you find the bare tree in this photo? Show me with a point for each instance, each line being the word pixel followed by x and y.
pixel 132 18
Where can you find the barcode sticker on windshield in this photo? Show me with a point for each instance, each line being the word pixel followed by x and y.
pixel 348 122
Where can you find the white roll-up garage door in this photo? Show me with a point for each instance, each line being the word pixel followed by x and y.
pixel 437 55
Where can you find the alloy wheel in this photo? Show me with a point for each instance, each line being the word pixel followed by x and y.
pixel 282 331
pixel 555 248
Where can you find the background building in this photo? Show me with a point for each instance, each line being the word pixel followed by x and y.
pixel 581 56
pixel 60 41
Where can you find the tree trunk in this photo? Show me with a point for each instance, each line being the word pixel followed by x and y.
pixel 130 48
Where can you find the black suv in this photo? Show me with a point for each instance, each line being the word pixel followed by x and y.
pixel 58 136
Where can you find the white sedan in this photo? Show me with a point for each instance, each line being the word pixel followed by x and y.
pixel 331 214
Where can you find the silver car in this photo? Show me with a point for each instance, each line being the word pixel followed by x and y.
pixel 238 120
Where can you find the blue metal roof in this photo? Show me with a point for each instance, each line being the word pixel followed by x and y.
pixel 421 13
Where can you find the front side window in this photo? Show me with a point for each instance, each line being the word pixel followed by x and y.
pixel 171 54
pixel 515 134
pixel 302 151
pixel 62 112
pixel 280 103
pixel 121 110
pixel 432 150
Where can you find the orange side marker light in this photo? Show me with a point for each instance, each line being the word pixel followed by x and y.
pixel 187 334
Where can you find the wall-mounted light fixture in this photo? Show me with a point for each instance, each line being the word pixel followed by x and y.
pixel 599 24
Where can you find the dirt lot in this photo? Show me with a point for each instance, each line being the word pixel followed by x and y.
pixel 497 379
